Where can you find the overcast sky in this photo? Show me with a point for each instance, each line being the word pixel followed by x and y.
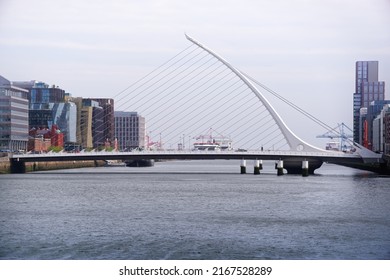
pixel 304 50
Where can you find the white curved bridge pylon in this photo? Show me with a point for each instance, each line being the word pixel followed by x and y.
pixel 295 143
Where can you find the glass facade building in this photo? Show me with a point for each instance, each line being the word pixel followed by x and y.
pixel 65 117
pixel 13 116
pixel 40 116
pixel 367 90
pixel 40 92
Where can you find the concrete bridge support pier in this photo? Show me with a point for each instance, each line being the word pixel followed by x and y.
pixel 305 168
pixel 295 166
pixel 256 169
pixel 243 166
pixel 279 167
pixel 17 166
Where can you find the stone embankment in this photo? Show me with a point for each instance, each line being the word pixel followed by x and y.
pixel 41 166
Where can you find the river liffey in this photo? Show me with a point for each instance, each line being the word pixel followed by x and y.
pixel 194 210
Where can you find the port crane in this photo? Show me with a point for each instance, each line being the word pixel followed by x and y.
pixel 341 131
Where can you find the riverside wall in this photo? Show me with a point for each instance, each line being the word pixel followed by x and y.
pixel 5 166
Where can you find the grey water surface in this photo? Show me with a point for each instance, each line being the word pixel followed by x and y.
pixel 194 210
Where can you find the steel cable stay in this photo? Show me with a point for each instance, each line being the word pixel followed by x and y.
pixel 279 148
pixel 216 119
pixel 185 109
pixel 183 90
pixel 261 126
pixel 195 107
pixel 157 75
pixel 151 103
pixel 272 137
pixel 228 122
pixel 155 83
pixel 206 117
pixel 266 124
pixel 150 73
pixel 250 125
pixel 231 125
pixel 292 105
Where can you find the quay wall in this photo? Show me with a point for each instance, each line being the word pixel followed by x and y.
pixel 5 166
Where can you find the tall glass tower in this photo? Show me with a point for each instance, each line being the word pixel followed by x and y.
pixel 367 89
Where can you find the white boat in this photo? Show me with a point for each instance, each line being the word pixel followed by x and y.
pixel 207 146
pixel 210 143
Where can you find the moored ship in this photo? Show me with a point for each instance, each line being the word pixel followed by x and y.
pixel 208 142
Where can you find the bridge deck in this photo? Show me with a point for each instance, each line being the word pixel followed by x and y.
pixel 190 155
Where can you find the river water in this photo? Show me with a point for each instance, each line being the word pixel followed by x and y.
pixel 194 210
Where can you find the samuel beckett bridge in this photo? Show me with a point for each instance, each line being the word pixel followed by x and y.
pixel 197 90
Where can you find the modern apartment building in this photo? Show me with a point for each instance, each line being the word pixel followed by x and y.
pixel 13 116
pixel 129 130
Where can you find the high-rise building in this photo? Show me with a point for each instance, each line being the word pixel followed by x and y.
pixel 107 119
pixel 93 118
pixel 86 127
pixel 13 116
pixel 367 89
pixel 78 101
pixel 129 130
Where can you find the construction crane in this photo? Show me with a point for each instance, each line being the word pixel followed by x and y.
pixel 341 132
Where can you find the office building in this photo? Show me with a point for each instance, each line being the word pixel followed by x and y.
pixel 86 127
pixel 40 116
pixel 78 101
pixel 129 130
pixel 380 126
pixel 93 118
pixel 40 92
pixel 13 116
pixel 367 89
pixel 386 122
pixel 103 121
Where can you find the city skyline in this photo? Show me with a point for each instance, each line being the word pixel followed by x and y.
pixel 96 49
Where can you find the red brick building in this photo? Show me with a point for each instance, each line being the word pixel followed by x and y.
pixel 42 139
